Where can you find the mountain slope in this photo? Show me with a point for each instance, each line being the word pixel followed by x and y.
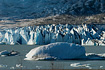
pixel 43 8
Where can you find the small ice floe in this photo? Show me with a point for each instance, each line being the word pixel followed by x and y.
pixel 6 53
pixel 13 53
pixel 94 56
pixel 19 66
pixel 40 57
pixel 38 67
pixel 102 54
pixel 80 65
pixel 101 66
pixel 12 67
pixel 3 66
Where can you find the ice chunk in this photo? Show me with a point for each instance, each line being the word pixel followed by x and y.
pixel 94 56
pixel 19 66
pixel 79 65
pixel 101 66
pixel 59 50
pixel 3 66
pixel 12 67
pixel 4 53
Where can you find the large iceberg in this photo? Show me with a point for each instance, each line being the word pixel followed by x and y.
pixel 62 51
pixel 57 51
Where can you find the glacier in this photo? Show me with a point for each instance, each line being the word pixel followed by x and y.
pixel 44 34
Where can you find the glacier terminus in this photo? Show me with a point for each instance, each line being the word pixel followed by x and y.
pixel 44 34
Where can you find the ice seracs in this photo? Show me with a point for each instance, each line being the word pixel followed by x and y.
pixel 44 34
pixel 58 51
pixel 24 36
pixel 31 39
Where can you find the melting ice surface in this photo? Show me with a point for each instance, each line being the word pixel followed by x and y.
pixel 45 34
pixel 62 51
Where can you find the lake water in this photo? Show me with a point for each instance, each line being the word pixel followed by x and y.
pixel 18 62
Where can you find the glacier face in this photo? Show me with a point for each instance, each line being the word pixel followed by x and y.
pixel 45 34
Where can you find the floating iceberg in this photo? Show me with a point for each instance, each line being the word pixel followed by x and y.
pixel 62 51
pixel 80 65
pixel 6 53
pixel 93 56
pixel 57 51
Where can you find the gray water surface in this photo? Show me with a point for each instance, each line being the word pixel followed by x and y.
pixel 18 62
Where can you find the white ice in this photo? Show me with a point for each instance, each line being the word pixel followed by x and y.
pixel 40 35
pixel 58 51
pixel 62 51
pixel 81 65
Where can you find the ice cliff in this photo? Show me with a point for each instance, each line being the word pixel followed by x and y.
pixel 43 8
pixel 45 34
